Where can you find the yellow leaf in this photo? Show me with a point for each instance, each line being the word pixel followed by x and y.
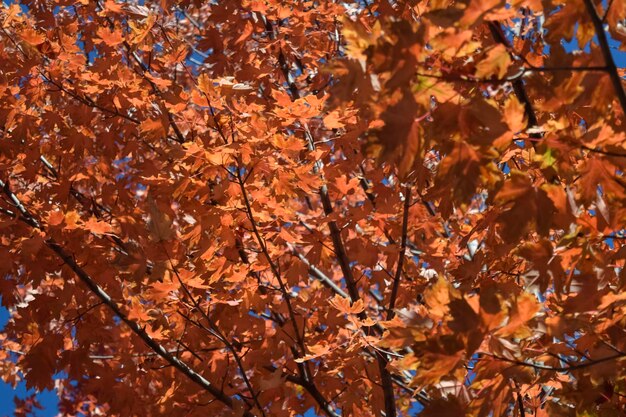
pixel 496 63
pixel 205 84
pixel 110 38
pixel 438 297
pixel 514 114
pixel 98 227
pixel 345 306
pixel 72 219
pixel 160 223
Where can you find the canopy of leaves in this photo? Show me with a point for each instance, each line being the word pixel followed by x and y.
pixel 366 208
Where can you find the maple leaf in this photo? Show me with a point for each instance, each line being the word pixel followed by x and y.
pixel 189 279
pixel 345 306
pixel 140 30
pixel 333 120
pixel 30 36
pixel 205 84
pixel 160 223
pixel 72 220
pixel 168 394
pixel 113 7
pixel 495 64
pixel 41 362
pixel 316 352
pixel 524 309
pixel 138 312
pixel 596 173
pixel 98 227
pixel 153 128
pixel 438 297
pixel 523 203
pixel 514 114
pixel 216 193
pixel 110 38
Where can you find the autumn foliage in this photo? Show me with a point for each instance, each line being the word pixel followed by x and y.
pixel 262 208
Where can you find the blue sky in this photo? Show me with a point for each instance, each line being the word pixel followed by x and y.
pixel 49 400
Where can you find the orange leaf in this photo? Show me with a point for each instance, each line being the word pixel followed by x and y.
pixel 98 227
pixel 345 306
pixel 32 37
pixel 55 218
pixel 496 63
pixel 110 38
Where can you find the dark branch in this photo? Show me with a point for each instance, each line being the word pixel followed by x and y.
pixel 606 52
pixel 403 242
pixel 568 368
pixel 68 258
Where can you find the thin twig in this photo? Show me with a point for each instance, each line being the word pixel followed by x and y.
pixel 568 368
pixel 216 332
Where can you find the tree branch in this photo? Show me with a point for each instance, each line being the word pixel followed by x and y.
pixel 353 292
pixel 317 273
pixel 603 152
pixel 606 52
pixel 520 405
pixel 99 292
pixel 214 330
pixel 273 267
pixel 606 12
pixel 403 242
pixel 518 84
pixel 568 368
pixel 303 368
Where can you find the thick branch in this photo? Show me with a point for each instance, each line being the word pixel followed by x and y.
pixel 398 276
pixel 273 267
pixel 305 374
pixel 518 84
pixel 68 259
pixel 606 52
